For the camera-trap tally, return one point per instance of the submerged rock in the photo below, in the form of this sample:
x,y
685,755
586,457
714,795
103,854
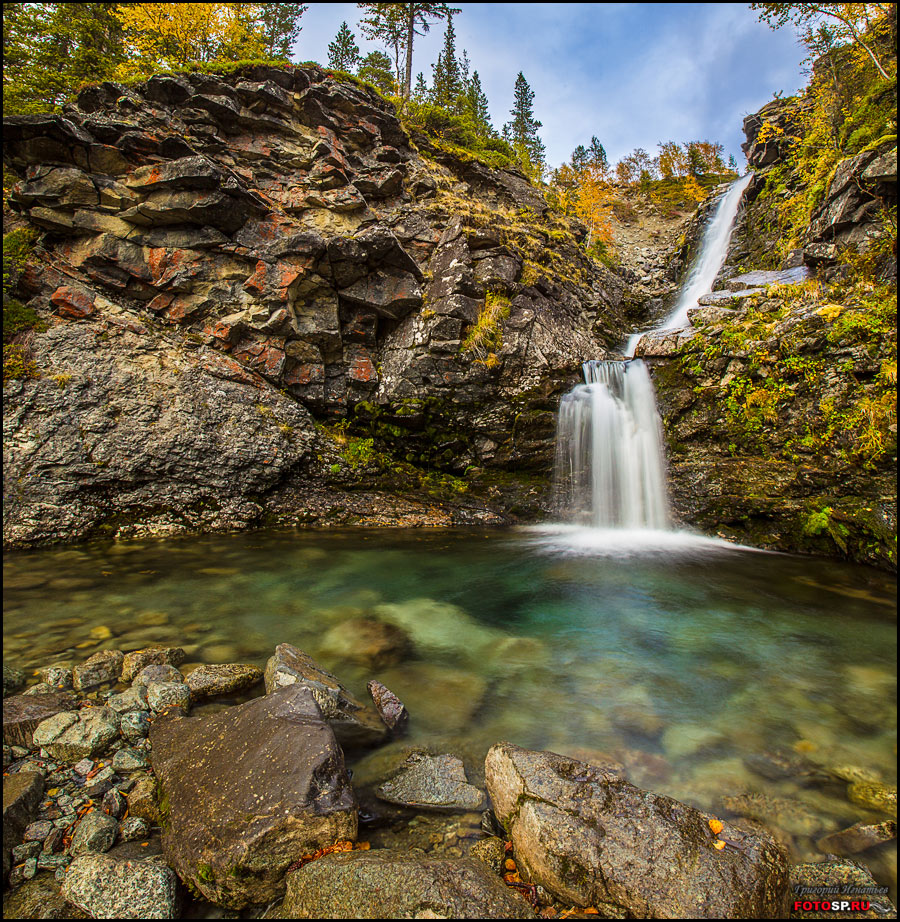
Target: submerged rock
x,y
432,783
874,795
858,838
389,884
248,790
367,641
842,879
13,680
353,723
590,837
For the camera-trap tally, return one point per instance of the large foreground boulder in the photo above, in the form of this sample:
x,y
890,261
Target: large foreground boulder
x,y
246,791
389,884
592,838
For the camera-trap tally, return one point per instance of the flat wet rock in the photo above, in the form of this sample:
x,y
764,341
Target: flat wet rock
x,y
389,884
207,681
590,838
21,795
432,783
246,791
858,838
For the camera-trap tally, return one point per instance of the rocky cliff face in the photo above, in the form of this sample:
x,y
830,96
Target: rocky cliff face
x,y
261,301
779,406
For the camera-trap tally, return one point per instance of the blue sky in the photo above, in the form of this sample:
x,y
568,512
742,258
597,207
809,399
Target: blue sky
x,y
634,74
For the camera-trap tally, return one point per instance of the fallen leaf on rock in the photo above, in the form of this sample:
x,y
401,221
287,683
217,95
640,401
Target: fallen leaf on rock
x,y
716,826
719,844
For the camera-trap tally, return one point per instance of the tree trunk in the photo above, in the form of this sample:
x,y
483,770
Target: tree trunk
x,y
410,36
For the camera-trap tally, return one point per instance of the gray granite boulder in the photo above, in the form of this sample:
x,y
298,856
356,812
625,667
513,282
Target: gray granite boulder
x,y
70,735
432,783
95,832
99,669
210,680
23,713
22,793
135,661
591,838
108,888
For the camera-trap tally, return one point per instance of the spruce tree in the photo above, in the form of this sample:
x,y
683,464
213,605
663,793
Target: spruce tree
x,y
522,129
420,90
343,52
597,155
477,105
446,85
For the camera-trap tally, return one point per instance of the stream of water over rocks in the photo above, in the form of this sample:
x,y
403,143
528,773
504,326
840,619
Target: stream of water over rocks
x,y
721,676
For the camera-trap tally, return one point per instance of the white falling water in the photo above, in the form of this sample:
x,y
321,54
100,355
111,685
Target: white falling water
x,y
713,251
610,468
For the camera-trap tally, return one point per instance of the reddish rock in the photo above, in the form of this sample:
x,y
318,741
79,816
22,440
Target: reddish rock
x,y
362,370
72,302
265,356
304,374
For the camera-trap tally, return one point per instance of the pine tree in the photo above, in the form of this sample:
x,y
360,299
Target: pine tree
x,y
477,106
280,26
522,129
732,164
597,154
446,85
421,91
50,49
579,158
375,68
343,52
398,24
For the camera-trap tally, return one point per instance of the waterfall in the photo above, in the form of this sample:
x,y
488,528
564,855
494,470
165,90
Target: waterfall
x,y
610,468
713,251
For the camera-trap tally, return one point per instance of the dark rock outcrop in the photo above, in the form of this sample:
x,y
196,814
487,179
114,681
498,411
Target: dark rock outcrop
x,y
246,791
225,260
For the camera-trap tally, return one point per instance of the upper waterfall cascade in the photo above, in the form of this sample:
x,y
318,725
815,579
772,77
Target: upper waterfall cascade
x,y
702,277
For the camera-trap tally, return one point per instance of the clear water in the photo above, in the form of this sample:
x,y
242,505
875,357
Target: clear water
x,y
682,658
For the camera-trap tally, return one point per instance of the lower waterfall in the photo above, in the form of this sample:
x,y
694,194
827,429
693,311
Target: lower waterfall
x,y
610,467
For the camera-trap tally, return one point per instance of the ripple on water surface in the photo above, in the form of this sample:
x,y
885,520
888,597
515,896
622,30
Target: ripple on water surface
x,y
744,682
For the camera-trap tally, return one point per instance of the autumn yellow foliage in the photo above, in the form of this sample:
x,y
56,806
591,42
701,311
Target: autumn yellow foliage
x,y
170,35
